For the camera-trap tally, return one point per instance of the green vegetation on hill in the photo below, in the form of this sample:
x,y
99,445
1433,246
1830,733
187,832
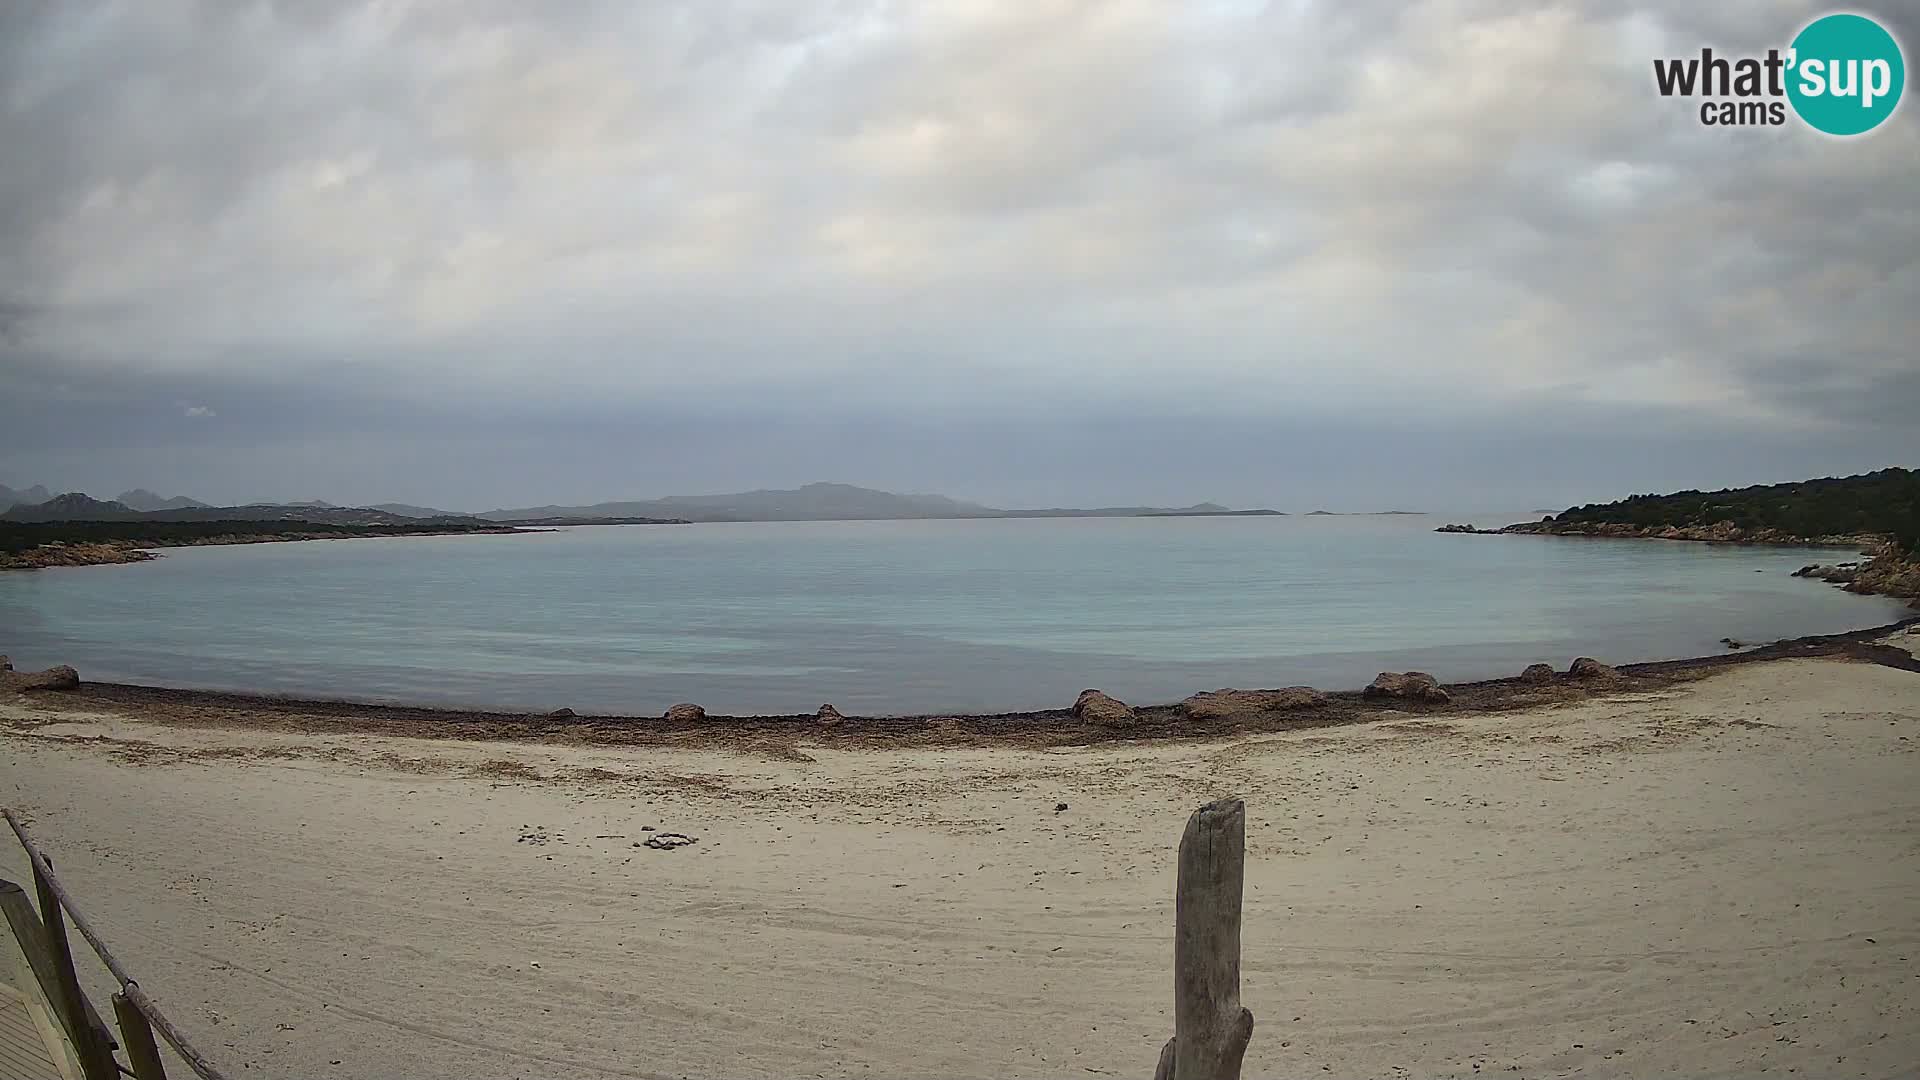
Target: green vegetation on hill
x,y
1884,503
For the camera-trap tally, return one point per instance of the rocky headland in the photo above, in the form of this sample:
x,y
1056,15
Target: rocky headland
x,y
41,546
1877,514
1720,532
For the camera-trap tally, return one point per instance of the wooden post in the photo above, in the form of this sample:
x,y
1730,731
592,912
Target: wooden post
x,y
1210,1029
96,1060
138,1038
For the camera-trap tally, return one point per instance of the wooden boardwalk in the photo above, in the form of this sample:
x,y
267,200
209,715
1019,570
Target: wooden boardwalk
x,y
32,1046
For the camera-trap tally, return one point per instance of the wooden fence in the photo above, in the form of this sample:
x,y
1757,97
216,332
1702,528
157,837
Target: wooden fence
x,y
43,938
1211,1029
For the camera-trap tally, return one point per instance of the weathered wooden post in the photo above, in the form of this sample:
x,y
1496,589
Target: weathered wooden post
x,y
1210,1029
137,1035
96,1057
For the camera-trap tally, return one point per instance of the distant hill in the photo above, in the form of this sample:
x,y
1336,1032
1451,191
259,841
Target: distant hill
x,y
31,496
829,502
1884,503
813,502
143,500
316,512
409,511
73,506
1196,510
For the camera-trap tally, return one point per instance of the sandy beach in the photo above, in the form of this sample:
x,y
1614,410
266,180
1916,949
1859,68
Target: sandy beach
x,y
1716,877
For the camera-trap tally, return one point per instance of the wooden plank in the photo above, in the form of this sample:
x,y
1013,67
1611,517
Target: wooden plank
x,y
72,1002
32,1046
138,1038
88,1038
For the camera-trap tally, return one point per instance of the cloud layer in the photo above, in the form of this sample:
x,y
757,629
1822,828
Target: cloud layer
x,y
1446,217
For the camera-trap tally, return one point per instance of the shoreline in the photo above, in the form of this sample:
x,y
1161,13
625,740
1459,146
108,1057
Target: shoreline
x,y
1724,533
120,552
1714,876
1052,727
1880,571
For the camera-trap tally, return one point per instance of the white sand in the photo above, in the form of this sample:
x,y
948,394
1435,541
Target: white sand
x,y
1629,887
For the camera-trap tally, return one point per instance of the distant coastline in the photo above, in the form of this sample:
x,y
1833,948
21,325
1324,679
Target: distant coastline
x,y
44,545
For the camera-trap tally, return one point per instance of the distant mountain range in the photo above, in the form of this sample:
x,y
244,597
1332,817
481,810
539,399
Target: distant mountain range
x,y
812,502
74,506
143,500
35,494
832,502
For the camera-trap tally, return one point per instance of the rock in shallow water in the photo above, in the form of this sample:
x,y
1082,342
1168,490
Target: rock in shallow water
x,y
686,712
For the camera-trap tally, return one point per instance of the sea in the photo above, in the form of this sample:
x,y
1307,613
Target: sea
x,y
903,616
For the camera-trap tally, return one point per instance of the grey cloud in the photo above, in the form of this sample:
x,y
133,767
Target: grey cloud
x,y
886,217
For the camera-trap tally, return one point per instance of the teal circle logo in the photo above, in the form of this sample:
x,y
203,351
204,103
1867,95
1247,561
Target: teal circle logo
x,y
1846,74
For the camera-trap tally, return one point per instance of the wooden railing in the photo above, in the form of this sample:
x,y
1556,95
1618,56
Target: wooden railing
x,y
43,937
1211,1029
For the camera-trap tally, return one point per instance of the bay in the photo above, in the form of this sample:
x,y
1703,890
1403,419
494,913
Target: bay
x,y
903,616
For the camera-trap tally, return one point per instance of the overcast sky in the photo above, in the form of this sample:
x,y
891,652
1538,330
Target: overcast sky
x,y
1443,255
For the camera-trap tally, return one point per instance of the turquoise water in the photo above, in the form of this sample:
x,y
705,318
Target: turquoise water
x,y
904,616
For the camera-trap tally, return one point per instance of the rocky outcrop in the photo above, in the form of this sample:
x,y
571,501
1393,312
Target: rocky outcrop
x,y
1538,673
1459,529
58,554
1886,574
1407,686
54,678
686,713
1219,704
1101,708
1586,667
1721,532
828,716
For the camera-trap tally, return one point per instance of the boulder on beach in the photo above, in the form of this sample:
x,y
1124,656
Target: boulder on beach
x,y
1407,686
686,712
1216,704
5,664
1538,673
828,715
54,678
1586,667
561,714
1102,708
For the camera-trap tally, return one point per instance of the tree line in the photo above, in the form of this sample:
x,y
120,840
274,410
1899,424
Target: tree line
x,y
1884,503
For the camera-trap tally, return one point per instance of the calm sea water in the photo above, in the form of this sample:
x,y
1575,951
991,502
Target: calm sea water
x,y
902,616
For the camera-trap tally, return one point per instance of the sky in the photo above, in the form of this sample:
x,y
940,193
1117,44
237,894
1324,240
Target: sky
x,y
1356,255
